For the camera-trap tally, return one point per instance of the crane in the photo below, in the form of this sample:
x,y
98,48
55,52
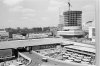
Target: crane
x,y
69,5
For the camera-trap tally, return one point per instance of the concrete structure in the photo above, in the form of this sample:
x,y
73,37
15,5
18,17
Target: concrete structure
x,y
3,34
87,25
18,36
45,44
30,42
71,33
53,31
32,35
72,18
90,29
72,24
92,33
61,24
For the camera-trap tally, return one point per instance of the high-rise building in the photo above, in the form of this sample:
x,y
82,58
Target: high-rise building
x,y
72,18
72,24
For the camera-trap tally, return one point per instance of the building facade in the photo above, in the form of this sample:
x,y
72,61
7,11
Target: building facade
x,y
72,18
4,34
72,24
92,33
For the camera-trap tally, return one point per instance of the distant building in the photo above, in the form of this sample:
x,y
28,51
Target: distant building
x,y
92,33
88,24
53,31
89,27
3,34
60,27
72,24
33,35
18,36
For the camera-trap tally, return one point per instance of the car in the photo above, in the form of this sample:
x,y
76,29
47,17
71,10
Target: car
x,y
20,64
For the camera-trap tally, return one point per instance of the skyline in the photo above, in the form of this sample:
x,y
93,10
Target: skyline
x,y
41,13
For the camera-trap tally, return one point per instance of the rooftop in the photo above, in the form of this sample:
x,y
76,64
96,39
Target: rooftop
x,y
30,42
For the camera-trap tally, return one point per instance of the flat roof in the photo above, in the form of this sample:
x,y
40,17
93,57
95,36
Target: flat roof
x,y
45,41
83,48
79,44
29,42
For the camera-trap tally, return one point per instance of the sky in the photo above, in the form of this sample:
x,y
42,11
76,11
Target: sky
x,y
41,13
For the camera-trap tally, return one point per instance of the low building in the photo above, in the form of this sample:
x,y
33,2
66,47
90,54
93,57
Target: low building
x,y
90,29
92,33
18,36
87,25
32,35
4,34
68,32
53,31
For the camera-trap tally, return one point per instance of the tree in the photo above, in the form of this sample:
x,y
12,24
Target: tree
x,y
46,29
25,31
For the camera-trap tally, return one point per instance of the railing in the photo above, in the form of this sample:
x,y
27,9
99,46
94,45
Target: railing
x,y
26,58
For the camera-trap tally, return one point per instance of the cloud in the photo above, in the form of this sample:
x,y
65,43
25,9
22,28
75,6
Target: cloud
x,y
21,9
28,16
88,13
22,13
88,8
45,18
52,9
11,2
54,5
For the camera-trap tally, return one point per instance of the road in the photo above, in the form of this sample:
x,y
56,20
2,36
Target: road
x,y
36,60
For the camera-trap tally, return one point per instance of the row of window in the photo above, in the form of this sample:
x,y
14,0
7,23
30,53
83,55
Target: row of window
x,y
72,25
43,47
73,15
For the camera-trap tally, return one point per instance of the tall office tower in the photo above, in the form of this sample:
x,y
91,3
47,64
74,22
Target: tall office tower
x,y
72,25
72,18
